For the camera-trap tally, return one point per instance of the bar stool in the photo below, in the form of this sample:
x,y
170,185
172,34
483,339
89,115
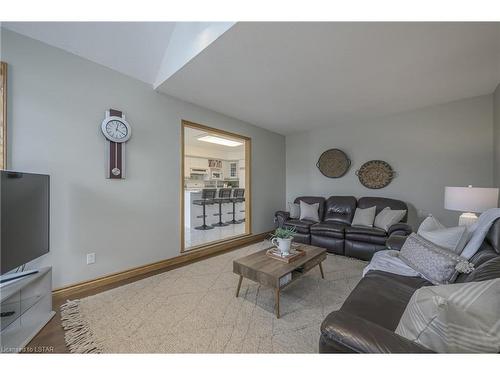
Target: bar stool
x,y
207,198
242,200
224,197
238,196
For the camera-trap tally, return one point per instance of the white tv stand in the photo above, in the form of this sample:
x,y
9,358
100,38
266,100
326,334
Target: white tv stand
x,y
26,307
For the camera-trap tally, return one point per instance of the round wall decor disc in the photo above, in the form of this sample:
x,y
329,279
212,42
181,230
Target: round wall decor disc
x,y
333,163
375,174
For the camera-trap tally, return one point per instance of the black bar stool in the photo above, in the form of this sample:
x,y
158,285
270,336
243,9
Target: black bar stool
x,y
223,197
242,200
207,198
238,195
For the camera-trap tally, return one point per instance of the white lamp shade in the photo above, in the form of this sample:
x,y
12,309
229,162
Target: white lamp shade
x,y
470,199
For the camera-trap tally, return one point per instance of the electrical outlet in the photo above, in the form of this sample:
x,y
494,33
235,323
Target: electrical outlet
x,y
91,258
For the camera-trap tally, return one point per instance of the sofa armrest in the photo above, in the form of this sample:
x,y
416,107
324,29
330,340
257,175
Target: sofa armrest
x,y
395,242
401,229
355,334
280,217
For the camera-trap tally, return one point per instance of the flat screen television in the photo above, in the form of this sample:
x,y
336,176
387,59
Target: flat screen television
x,y
24,205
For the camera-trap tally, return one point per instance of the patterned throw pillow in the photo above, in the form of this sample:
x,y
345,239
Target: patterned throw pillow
x,y
454,238
387,218
456,318
294,210
309,211
434,263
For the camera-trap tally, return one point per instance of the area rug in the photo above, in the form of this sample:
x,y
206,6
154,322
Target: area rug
x,y
193,309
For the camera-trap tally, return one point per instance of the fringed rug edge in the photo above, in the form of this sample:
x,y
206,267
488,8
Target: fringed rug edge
x,y
78,335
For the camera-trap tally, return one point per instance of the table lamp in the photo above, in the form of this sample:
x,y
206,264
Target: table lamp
x,y
469,200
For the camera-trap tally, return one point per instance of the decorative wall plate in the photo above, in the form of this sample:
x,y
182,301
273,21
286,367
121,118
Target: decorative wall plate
x,y
375,174
333,163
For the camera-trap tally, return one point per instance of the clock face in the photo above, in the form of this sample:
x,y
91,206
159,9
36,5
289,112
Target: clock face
x,y
116,129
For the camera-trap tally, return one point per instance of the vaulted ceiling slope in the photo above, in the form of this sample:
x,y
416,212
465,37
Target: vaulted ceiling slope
x,y
148,51
290,77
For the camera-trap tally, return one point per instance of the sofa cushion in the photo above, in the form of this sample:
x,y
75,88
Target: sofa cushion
x,y
381,203
364,234
364,217
459,318
294,210
302,226
312,200
340,209
329,229
434,263
309,211
381,297
486,271
453,238
387,218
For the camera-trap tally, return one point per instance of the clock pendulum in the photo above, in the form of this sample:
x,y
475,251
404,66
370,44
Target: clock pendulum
x,y
117,131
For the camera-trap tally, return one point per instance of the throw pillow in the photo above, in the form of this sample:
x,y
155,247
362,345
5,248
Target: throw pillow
x,y
387,218
456,318
434,263
364,217
294,210
453,238
309,211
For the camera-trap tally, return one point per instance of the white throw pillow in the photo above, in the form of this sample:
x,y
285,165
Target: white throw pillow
x,y
454,238
364,217
309,211
454,318
294,210
387,218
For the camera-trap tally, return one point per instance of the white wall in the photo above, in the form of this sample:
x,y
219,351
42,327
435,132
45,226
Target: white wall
x,y
430,148
56,103
496,136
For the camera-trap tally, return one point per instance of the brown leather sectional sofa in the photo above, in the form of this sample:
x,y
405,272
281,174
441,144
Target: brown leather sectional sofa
x,y
368,318
334,231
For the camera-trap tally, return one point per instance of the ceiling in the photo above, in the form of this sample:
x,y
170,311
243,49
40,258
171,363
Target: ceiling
x,y
290,77
193,146
132,48
148,51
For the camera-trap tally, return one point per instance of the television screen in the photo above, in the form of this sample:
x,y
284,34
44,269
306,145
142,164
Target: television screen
x,y
24,206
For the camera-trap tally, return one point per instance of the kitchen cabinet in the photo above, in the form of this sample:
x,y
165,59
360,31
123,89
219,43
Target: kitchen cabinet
x,y
198,162
241,172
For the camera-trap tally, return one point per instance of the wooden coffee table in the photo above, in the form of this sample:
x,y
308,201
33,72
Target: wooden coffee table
x,y
270,272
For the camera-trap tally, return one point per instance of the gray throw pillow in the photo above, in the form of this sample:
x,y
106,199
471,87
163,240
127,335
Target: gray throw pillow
x,y
387,218
455,318
294,210
364,217
454,238
309,211
434,263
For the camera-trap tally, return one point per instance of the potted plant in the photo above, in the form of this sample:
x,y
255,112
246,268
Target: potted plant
x,y
282,239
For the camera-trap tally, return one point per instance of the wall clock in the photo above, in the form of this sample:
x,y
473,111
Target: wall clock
x,y
117,131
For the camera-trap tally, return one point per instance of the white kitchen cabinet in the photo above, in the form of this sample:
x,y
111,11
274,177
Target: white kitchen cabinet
x,y
198,162
241,173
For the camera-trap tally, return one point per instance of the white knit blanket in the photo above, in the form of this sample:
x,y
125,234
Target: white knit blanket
x,y
389,261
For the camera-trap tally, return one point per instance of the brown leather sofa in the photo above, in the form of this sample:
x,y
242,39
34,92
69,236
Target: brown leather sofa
x,y
369,316
334,231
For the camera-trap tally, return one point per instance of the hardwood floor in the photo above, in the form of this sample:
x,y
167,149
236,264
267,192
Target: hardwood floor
x,y
51,338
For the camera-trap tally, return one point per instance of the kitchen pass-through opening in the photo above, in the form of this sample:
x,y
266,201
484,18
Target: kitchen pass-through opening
x,y
215,198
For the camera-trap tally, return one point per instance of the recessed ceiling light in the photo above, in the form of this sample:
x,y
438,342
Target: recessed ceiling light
x,y
219,140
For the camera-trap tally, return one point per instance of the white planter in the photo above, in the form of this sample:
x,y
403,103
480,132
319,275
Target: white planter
x,y
283,244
